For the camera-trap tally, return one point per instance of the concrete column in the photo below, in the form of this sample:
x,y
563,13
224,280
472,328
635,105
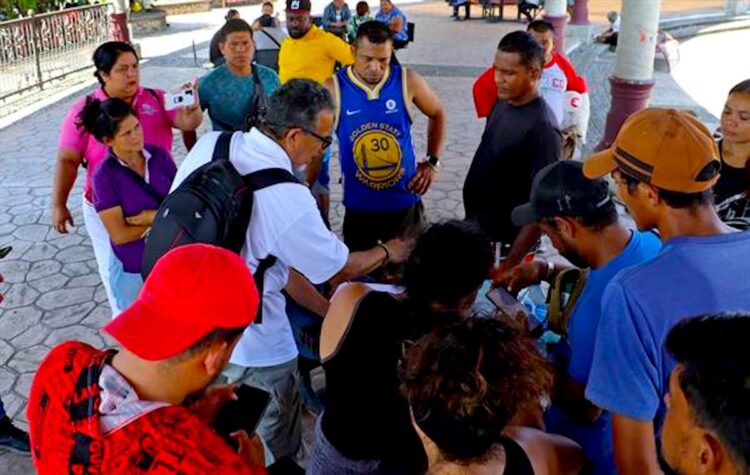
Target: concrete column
x,y
633,78
736,7
556,12
118,21
580,28
580,13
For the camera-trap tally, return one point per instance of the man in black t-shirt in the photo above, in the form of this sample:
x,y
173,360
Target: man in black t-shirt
x,y
520,138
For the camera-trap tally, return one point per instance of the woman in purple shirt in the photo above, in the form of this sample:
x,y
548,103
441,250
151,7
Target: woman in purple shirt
x,y
128,188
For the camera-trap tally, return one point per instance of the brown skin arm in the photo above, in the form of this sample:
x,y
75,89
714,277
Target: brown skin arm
x,y
549,454
359,263
431,106
364,262
120,232
634,446
525,240
66,170
312,171
397,24
303,292
570,396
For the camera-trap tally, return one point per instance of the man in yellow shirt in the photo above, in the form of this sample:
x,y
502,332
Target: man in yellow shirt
x,y
309,52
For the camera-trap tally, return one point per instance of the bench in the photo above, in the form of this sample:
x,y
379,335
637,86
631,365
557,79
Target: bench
x,y
490,6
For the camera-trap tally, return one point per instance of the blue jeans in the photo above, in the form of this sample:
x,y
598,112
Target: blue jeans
x,y
125,285
2,410
306,327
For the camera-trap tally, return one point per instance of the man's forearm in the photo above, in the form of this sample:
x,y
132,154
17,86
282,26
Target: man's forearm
x,y
570,396
312,171
305,294
526,239
634,446
436,134
359,264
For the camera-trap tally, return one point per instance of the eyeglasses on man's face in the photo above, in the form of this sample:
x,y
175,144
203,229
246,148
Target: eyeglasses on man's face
x,y
325,141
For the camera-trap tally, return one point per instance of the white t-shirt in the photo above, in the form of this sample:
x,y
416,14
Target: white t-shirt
x,y
616,25
285,223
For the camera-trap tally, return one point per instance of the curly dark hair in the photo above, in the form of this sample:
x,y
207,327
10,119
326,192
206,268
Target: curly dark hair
x,y
450,261
465,382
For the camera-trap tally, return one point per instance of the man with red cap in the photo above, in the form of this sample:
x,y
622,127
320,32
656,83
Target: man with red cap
x,y
94,411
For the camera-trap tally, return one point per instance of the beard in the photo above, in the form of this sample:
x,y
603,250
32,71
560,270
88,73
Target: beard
x,y
575,258
297,33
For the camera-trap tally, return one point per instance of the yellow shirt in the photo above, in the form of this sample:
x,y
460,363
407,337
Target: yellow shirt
x,y
313,56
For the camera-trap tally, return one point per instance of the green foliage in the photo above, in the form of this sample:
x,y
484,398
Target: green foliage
x,y
11,9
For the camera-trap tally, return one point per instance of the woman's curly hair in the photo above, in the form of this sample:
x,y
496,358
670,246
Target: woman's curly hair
x,y
465,382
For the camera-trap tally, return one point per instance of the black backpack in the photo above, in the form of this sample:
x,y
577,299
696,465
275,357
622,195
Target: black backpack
x,y
213,206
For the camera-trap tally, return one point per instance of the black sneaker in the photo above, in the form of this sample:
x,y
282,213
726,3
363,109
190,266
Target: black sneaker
x,y
13,438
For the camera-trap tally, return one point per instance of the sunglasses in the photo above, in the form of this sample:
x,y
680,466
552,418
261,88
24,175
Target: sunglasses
x,y
326,141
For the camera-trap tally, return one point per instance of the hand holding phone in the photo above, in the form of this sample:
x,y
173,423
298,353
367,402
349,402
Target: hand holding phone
x,y
512,308
242,414
184,98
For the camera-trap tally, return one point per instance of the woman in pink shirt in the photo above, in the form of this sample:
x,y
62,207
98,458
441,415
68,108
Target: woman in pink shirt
x,y
118,73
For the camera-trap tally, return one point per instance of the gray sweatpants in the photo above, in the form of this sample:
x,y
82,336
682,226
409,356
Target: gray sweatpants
x,y
280,428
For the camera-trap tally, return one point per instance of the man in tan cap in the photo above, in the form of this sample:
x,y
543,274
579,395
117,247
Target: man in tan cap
x,y
665,163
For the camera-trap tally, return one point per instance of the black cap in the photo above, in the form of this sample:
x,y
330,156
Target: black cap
x,y
295,6
561,189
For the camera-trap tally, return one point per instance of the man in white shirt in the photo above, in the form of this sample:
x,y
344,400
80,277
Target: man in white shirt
x,y
286,223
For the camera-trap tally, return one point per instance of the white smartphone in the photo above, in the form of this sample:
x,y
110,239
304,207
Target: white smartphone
x,y
185,98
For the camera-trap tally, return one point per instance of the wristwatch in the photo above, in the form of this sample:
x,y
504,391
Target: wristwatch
x,y
433,161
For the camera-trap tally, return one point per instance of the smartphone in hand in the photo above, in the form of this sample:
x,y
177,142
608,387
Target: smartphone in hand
x,y
511,307
243,414
184,98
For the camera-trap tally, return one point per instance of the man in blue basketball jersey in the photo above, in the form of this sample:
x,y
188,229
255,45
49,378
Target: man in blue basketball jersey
x,y
383,179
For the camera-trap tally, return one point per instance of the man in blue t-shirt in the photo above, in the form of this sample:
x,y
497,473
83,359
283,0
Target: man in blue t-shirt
x,y
581,220
228,92
665,163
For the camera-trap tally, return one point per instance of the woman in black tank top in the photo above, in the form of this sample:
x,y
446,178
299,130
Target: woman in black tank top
x,y
465,383
365,427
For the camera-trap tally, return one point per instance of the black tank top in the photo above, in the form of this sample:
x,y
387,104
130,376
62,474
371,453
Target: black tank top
x,y
516,460
365,416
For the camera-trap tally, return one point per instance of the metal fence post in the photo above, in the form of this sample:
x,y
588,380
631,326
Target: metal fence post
x,y
37,47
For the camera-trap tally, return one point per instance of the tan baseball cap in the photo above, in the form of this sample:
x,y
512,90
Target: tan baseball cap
x,y
667,148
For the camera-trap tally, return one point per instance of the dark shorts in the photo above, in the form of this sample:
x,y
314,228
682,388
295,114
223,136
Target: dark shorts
x,y
363,230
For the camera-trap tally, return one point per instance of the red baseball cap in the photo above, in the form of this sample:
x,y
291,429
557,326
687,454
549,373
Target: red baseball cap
x,y
192,290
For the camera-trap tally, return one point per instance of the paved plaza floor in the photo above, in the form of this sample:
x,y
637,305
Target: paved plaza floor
x,y
52,288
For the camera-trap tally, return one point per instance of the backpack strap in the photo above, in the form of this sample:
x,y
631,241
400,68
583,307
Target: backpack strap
x,y
270,37
268,177
221,149
259,278
257,106
570,282
257,181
